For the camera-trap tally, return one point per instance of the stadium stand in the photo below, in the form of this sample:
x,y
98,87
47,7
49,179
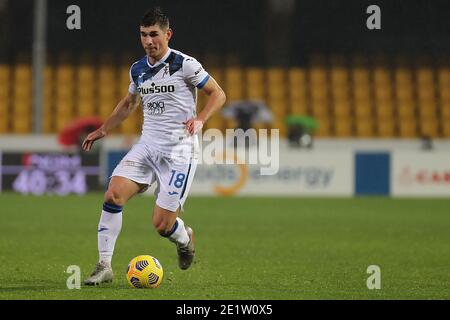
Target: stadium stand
x,y
350,96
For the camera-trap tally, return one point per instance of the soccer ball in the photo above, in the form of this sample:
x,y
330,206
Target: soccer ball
x,y
144,272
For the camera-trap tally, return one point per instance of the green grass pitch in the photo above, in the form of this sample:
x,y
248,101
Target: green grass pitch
x,y
247,248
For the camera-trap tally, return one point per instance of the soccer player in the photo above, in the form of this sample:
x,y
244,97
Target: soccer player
x,y
166,81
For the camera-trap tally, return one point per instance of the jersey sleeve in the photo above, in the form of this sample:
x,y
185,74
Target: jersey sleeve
x,y
194,73
132,88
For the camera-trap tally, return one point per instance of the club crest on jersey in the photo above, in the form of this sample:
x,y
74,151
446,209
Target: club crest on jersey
x,y
166,70
156,89
140,78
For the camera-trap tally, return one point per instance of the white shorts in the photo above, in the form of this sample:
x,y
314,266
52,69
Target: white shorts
x,y
144,165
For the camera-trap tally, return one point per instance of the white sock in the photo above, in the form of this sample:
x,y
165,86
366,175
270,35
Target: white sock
x,y
179,234
108,230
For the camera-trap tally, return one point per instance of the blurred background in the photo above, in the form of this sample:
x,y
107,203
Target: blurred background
x,y
370,106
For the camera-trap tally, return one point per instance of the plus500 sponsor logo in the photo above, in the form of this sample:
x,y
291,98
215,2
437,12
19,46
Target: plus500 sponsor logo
x,y
157,89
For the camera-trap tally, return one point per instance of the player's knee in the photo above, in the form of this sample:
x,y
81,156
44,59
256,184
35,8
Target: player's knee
x,y
114,197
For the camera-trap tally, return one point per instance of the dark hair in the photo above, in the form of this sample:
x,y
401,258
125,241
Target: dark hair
x,y
155,16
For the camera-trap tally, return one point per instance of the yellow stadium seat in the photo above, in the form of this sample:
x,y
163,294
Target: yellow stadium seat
x,y
403,76
276,76
22,74
64,107
298,96
85,108
230,124
254,78
297,77
446,126
86,94
64,75
361,93
278,107
363,109
383,93
445,110
4,91
217,74
324,127
342,109
107,74
298,92
360,76
343,127
339,76
429,127
105,109
276,83
48,125
407,128
5,86
62,122
364,127
20,109
298,107
107,95
340,93
404,93
216,122
381,76
24,92
130,126
5,73
427,109
124,80
48,79
386,128
384,111
21,125
319,93
65,92
318,76
424,77
4,125
234,83
86,75
280,125
444,84
4,113
426,94
444,76
444,94
406,110
276,93
320,109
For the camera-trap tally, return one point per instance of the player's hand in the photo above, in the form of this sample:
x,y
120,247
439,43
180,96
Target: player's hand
x,y
91,137
194,125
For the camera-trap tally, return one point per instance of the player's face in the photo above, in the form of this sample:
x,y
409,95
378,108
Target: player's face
x,y
155,41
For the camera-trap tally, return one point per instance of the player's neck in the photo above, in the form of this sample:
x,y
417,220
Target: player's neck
x,y
155,60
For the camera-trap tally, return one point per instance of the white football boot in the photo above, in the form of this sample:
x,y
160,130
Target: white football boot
x,y
186,254
102,273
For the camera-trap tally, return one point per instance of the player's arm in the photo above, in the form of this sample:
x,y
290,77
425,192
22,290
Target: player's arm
x,y
216,99
123,109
